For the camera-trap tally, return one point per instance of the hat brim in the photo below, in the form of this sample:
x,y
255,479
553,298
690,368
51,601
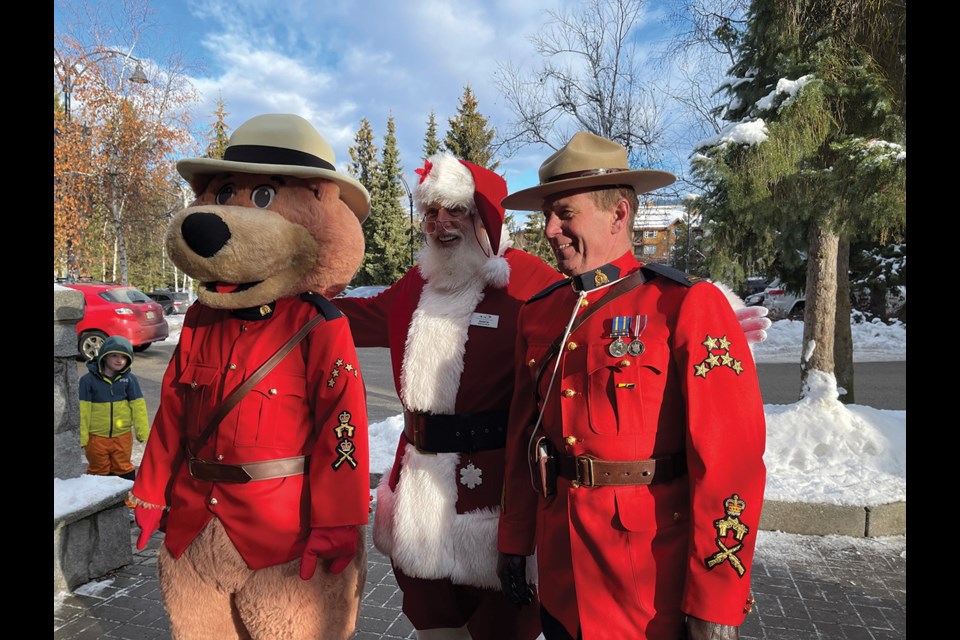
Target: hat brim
x,y
642,181
351,191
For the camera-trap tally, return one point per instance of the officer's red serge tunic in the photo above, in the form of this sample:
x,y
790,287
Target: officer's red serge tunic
x,y
295,410
452,353
628,562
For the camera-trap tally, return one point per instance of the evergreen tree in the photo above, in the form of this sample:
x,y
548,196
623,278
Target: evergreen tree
x,y
431,144
814,155
218,138
468,137
363,167
388,247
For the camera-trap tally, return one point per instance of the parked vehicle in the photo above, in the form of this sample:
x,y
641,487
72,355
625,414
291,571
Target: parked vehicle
x,y
173,302
364,292
782,303
117,310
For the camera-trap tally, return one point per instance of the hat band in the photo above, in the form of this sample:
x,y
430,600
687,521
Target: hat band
x,y
584,174
259,154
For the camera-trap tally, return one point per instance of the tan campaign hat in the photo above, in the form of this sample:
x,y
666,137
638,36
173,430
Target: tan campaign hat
x,y
284,145
586,161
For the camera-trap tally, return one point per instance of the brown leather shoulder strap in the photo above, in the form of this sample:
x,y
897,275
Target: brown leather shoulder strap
x,y
258,375
632,281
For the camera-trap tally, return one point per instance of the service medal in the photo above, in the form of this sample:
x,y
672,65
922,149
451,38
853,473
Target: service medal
x,y
636,347
618,347
621,327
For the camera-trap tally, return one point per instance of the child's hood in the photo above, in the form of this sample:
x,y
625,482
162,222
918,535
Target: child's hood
x,y
113,344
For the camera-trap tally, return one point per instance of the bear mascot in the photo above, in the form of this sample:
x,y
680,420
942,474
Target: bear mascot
x,y
257,467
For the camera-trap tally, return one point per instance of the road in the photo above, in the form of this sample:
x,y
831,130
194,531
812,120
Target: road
x,y
882,385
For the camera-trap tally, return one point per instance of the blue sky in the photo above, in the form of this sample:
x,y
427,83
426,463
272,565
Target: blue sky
x,y
336,62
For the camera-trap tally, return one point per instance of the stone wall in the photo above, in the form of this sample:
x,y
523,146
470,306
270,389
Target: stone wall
x,y
92,536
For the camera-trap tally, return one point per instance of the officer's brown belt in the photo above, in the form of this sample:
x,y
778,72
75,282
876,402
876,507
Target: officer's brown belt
x,y
590,472
456,433
240,473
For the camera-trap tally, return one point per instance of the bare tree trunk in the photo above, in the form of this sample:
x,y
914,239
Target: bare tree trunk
x,y
820,309
843,345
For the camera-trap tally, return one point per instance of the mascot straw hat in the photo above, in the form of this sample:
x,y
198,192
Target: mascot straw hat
x,y
284,145
454,183
586,161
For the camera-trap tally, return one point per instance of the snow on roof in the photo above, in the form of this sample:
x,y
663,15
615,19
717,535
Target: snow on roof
x,y
658,216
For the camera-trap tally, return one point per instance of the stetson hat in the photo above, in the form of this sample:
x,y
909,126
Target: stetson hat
x,y
285,145
587,160
454,183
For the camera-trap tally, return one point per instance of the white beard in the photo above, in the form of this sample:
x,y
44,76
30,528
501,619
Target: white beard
x,y
451,268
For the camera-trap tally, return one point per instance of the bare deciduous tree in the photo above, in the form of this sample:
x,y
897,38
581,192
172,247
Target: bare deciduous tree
x,y
591,79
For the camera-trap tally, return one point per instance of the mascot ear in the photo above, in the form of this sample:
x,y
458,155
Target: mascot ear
x,y
199,182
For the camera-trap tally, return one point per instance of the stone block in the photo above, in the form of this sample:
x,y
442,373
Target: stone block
x,y
813,519
91,542
887,520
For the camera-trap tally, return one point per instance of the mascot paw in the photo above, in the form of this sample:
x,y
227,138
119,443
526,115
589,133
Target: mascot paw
x,y
337,544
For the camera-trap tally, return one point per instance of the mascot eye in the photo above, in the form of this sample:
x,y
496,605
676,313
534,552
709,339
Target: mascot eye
x,y
263,196
226,192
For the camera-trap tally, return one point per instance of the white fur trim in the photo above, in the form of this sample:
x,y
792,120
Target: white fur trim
x,y
449,184
429,538
735,301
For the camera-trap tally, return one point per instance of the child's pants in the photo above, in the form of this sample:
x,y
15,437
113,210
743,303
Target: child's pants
x,y
110,456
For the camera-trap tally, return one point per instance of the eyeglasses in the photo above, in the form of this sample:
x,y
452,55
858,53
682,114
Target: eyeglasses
x,y
431,226
430,222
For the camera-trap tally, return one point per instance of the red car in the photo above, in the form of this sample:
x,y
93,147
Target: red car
x,y
117,310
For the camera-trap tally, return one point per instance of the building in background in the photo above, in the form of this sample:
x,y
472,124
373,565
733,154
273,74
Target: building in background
x,y
660,229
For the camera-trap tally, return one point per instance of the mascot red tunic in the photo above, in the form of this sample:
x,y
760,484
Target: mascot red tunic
x,y
263,502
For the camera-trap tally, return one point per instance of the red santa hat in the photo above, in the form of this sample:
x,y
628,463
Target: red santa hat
x,y
454,183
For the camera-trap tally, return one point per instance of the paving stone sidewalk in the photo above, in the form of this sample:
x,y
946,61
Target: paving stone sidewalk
x,y
806,588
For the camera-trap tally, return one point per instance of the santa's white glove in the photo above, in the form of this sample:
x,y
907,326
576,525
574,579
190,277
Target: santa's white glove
x,y
754,322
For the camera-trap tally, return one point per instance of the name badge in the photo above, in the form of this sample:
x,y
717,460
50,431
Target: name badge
x,y
485,320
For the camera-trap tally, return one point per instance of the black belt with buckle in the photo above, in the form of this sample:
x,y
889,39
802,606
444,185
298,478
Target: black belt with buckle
x,y
586,471
456,433
241,473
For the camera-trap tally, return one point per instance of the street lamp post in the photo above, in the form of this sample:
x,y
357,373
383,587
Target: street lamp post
x,y
68,72
410,196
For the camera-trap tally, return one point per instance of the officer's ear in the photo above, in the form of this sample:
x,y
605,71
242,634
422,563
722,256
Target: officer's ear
x,y
621,217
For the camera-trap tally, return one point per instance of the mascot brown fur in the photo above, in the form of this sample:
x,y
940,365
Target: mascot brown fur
x,y
282,480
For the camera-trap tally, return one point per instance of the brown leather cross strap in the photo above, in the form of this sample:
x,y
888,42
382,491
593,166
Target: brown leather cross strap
x,y
621,287
587,471
258,375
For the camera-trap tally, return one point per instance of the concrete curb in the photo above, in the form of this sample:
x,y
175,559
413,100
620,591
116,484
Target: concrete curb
x,y
807,518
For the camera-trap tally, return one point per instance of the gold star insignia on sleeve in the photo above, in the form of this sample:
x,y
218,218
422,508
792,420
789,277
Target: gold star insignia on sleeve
x,y
339,362
714,360
348,367
335,373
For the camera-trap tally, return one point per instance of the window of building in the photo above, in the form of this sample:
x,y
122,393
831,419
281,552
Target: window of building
x,y
650,233
649,249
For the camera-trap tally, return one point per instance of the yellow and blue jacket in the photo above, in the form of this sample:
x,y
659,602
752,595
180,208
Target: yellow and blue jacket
x,y
111,407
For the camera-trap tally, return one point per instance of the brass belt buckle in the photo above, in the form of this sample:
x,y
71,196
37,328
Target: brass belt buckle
x,y
585,471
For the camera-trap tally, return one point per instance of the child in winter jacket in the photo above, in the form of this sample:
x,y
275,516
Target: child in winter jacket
x,y
111,404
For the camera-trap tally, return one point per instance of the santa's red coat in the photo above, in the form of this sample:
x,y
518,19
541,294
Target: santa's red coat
x,y
452,353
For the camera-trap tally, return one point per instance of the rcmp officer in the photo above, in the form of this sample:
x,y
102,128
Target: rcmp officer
x,y
638,421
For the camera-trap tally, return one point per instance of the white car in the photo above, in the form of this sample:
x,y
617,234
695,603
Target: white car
x,y
782,303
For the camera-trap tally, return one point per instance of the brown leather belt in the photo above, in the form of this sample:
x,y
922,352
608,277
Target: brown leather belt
x,y
586,471
456,433
241,473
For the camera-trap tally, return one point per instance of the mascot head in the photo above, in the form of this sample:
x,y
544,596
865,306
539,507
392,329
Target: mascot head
x,y
273,218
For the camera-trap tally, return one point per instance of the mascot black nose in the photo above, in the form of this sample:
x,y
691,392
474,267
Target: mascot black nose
x,y
205,233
